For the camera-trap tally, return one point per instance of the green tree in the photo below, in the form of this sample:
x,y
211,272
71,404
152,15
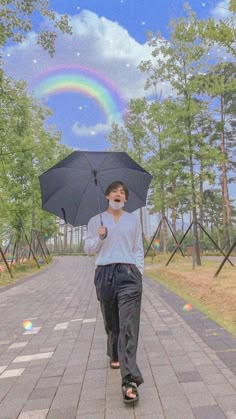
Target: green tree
x,y
221,33
232,6
165,163
212,211
16,21
177,62
118,137
133,137
135,124
38,147
219,84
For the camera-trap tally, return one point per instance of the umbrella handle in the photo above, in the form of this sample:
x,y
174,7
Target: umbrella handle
x,y
64,215
105,234
106,230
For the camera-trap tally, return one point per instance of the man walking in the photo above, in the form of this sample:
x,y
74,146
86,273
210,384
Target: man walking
x,y
118,280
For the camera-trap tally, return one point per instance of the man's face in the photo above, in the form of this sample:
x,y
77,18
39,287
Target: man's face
x,y
117,195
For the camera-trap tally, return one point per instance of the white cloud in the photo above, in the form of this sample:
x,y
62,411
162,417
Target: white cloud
x,y
89,131
97,43
221,10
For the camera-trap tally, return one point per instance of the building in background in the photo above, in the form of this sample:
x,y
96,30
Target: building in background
x,y
150,222
68,237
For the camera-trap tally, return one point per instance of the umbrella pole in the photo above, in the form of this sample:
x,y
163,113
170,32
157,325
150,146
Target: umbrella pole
x,y
99,206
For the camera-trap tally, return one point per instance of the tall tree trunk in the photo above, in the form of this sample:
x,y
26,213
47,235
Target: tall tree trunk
x,y
182,223
173,219
196,249
218,237
55,244
194,210
227,221
201,201
81,238
33,218
164,232
65,237
140,211
60,243
71,238
173,210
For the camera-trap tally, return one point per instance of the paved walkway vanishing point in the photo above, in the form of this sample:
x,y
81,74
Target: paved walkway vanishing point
x,y
59,369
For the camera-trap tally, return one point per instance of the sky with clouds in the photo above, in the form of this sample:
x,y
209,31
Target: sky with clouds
x,y
97,65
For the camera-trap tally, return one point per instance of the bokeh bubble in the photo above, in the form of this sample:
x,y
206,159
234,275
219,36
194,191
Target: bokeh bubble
x,y
157,244
27,324
187,307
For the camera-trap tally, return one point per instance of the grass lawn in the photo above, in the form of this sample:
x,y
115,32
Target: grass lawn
x,y
20,271
216,297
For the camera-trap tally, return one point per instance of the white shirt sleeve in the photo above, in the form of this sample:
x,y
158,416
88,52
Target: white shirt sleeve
x,y
138,248
92,241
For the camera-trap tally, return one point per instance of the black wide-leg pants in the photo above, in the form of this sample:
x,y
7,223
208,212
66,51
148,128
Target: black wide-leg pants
x,y
119,290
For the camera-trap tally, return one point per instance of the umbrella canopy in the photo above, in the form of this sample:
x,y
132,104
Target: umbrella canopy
x,y
74,188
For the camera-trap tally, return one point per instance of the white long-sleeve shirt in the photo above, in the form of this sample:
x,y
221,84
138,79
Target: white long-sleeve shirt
x,y
123,243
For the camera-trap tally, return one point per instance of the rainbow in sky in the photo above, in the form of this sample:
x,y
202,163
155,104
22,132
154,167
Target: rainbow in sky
x,y
83,80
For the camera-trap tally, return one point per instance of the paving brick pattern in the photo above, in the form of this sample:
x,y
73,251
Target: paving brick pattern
x,y
59,368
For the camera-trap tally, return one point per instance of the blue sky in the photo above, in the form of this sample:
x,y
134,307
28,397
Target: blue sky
x,y
108,43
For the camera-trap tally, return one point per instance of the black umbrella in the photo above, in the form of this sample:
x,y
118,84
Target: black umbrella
x,y
74,188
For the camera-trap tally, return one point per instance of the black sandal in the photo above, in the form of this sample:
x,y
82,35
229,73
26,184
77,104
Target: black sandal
x,y
126,387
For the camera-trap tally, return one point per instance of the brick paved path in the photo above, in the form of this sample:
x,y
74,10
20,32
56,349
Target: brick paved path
x,y
59,369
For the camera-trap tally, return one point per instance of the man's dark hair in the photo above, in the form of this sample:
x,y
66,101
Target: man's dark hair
x,y
115,185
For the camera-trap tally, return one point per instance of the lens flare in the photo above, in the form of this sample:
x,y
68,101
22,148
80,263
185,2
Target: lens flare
x,y
187,307
27,325
157,244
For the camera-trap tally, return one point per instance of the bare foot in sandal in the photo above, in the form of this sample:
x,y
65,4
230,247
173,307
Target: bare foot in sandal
x,y
130,393
115,365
